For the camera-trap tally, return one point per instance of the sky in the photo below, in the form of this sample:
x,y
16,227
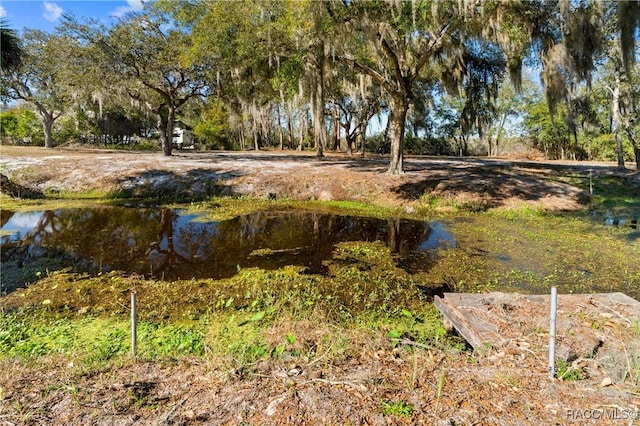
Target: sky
x,y
45,14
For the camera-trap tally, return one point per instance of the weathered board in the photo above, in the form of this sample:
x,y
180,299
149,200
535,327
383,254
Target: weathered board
x,y
495,321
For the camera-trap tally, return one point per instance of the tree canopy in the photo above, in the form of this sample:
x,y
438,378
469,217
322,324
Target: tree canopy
x,y
315,75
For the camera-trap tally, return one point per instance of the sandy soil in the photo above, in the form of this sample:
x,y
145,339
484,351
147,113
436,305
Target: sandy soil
x,y
508,387
487,182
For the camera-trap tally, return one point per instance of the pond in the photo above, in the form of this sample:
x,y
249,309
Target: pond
x,y
174,244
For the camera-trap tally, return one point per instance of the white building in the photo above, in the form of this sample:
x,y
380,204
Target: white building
x,y
182,137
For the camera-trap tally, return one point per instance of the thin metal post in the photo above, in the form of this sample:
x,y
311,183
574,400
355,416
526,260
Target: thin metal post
x,y
552,333
590,182
134,324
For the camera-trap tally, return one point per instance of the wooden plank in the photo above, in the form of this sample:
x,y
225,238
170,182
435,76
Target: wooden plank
x,y
493,320
459,322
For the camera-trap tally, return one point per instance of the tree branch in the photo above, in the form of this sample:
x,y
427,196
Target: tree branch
x,y
369,71
392,55
428,52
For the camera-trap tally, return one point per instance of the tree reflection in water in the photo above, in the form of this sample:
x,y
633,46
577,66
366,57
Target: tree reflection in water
x,y
171,244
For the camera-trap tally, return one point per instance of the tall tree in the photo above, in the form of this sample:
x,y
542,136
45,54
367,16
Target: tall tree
x,y
245,40
45,77
481,82
402,44
310,35
622,54
569,37
146,53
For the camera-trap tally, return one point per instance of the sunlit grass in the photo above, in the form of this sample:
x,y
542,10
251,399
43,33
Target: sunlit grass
x,y
616,193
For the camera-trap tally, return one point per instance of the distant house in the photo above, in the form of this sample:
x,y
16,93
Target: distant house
x,y
182,137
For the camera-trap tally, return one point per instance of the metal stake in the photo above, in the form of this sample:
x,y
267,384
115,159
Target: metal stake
x,y
134,324
552,333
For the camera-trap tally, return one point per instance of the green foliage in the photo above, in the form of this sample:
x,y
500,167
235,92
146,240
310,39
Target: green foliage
x,y
258,65
566,371
99,339
398,408
21,126
378,144
8,124
427,146
615,193
603,147
212,130
66,130
11,50
526,211
159,340
287,76
548,134
46,77
96,339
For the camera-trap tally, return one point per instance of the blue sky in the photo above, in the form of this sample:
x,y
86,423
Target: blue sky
x,y
45,15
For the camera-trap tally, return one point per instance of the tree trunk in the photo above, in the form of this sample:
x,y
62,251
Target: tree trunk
x,y
636,148
167,131
287,114
399,108
302,128
255,129
164,125
616,121
280,130
48,131
47,123
362,135
256,140
351,137
241,136
349,141
335,130
393,226
317,100
363,138
290,137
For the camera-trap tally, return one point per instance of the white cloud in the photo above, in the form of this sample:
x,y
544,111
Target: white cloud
x,y
52,11
3,12
132,6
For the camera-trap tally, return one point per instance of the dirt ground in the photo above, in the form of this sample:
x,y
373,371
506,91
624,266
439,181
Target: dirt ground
x,y
300,175
381,385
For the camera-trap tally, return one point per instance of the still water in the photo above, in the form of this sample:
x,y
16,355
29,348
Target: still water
x,y
174,244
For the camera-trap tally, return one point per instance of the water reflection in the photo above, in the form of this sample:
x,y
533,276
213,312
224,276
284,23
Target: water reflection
x,y
171,244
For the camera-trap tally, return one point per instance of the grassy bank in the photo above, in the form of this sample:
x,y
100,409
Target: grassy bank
x,y
235,324
255,315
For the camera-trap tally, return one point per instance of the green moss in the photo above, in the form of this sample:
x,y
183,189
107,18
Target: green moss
x,y
223,208
52,203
